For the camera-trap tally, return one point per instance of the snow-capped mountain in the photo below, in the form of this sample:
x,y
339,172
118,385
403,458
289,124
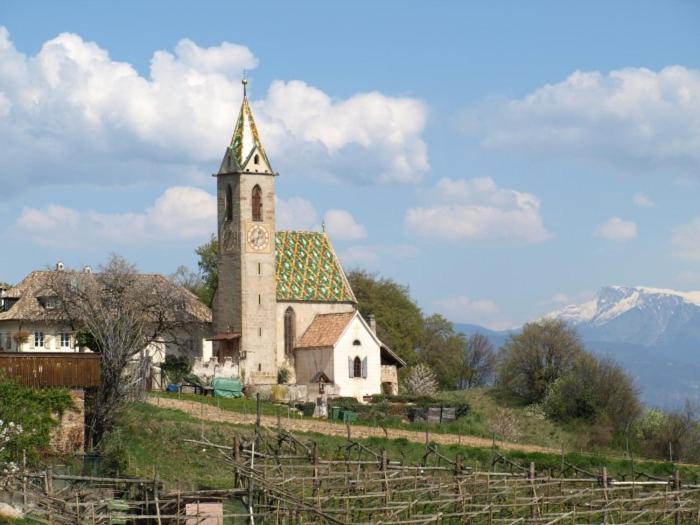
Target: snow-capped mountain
x,y
639,315
653,333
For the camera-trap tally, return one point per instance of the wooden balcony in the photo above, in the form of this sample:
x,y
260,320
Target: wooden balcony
x,y
47,369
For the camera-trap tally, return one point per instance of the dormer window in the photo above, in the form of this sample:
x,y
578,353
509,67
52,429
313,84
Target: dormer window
x,y
49,303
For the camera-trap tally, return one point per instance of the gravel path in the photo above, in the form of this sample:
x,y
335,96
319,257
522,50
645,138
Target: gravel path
x,y
211,413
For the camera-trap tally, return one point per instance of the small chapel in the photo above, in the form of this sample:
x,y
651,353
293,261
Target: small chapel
x,y
283,299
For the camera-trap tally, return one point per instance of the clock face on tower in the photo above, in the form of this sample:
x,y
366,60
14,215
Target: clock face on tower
x,y
258,237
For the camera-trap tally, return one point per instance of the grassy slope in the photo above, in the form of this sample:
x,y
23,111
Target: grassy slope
x,y
486,418
153,439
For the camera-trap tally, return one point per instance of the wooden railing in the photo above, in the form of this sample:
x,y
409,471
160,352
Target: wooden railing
x,y
46,369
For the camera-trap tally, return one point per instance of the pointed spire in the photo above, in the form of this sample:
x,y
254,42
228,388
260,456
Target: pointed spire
x,y
245,143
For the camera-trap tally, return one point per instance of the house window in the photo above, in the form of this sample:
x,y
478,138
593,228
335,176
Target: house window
x,y
357,367
257,203
5,342
229,203
289,325
65,340
38,339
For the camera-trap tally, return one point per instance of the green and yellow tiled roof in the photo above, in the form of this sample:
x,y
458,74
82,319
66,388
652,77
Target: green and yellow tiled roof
x,y
308,269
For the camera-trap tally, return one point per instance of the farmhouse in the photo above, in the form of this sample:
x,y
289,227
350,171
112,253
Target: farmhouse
x,y
32,320
283,300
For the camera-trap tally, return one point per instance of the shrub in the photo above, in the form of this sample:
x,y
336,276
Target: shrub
x,y
32,410
283,376
176,368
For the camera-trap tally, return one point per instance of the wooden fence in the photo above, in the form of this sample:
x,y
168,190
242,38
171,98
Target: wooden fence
x,y
46,369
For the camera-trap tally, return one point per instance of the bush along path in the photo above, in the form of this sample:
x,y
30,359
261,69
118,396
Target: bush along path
x,y
321,426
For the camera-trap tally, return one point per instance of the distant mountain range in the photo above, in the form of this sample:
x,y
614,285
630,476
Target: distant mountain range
x,y
654,333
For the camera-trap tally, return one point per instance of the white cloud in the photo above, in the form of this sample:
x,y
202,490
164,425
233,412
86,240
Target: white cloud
x,y
642,201
616,229
477,209
91,118
462,309
686,240
341,225
296,213
634,118
180,213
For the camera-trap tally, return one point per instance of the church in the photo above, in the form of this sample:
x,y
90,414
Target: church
x,y
283,300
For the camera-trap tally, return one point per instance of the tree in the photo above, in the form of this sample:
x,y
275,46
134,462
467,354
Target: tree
x,y
124,313
594,389
208,270
399,319
193,282
531,361
421,381
442,349
477,362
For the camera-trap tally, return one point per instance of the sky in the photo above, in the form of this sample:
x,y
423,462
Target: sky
x,y
501,159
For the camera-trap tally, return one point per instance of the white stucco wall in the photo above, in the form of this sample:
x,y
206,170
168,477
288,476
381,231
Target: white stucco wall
x,y
344,349
52,337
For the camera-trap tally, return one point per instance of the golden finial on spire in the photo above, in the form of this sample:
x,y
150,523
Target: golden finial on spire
x,y
245,83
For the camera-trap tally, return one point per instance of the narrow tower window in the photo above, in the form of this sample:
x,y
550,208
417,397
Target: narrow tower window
x,y
256,159
229,203
289,325
257,203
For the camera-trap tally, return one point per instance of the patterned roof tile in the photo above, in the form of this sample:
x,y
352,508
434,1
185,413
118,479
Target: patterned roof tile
x,y
308,269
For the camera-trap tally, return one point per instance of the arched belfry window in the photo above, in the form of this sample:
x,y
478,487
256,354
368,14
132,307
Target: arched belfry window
x,y
257,203
229,203
289,325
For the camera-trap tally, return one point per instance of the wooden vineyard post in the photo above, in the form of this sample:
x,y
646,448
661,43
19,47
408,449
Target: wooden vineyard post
x,y
178,504
156,482
236,459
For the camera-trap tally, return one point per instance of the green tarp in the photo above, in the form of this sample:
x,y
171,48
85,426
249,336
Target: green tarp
x,y
227,387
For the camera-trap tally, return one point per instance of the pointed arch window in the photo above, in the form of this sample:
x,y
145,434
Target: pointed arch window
x,y
257,203
229,203
289,329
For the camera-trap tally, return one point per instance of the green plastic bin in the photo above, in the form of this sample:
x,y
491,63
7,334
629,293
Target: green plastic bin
x,y
349,416
334,413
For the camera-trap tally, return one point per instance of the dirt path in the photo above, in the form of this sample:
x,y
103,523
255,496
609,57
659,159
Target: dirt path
x,y
211,413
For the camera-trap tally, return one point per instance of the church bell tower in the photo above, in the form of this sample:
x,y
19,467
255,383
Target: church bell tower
x,y
245,303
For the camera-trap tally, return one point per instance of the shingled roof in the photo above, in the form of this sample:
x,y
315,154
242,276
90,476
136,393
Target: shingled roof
x,y
26,297
308,269
325,330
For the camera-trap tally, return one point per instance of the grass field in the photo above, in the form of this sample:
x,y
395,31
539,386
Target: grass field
x,y
150,439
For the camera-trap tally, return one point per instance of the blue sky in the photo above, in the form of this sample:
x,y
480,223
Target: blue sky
x,y
500,158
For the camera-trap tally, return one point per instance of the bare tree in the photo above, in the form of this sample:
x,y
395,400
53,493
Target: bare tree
x,y
123,312
477,362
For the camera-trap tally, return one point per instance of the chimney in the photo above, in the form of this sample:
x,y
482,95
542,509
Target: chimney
x,y
373,324
59,266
